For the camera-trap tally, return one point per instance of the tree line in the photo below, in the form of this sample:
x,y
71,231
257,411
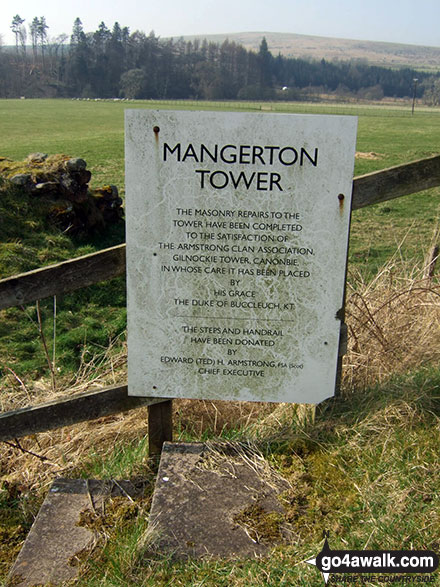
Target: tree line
x,y
114,63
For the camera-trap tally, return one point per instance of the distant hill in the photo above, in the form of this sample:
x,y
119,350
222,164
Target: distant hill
x,y
375,53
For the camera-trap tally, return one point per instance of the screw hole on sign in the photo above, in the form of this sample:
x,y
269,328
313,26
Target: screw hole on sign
x,y
154,387
341,197
156,129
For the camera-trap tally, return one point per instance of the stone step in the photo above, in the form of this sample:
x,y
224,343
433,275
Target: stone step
x,y
50,551
216,501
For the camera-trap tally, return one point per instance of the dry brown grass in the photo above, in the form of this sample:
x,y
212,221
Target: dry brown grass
x,y
394,326
61,452
371,155
34,461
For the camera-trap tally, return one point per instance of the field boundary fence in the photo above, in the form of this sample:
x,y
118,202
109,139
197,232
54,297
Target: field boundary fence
x,y
77,273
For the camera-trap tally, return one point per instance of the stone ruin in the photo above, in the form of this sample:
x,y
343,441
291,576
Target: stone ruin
x,y
61,185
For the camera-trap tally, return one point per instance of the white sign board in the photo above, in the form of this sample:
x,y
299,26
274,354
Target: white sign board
x,y
237,232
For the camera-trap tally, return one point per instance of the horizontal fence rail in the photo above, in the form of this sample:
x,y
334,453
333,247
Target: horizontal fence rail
x,y
74,274
62,278
71,410
395,182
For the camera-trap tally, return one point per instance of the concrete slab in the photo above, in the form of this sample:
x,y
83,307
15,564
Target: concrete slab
x,y
216,501
56,536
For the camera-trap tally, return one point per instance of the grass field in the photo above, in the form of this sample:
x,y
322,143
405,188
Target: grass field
x,y
94,130
386,136
365,467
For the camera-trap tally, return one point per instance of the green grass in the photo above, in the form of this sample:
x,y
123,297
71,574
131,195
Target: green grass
x,y
86,321
95,131
367,470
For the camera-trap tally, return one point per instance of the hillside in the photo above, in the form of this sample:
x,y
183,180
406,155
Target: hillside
x,y
377,53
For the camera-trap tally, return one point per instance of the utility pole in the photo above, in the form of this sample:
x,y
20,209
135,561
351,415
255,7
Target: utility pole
x,y
415,80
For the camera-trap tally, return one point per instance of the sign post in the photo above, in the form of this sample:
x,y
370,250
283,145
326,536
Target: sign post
x,y
237,235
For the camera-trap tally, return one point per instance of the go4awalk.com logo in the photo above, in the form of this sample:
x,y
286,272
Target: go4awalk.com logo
x,y
402,564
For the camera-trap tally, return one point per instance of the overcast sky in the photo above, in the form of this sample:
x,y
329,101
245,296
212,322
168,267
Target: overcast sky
x,y
402,21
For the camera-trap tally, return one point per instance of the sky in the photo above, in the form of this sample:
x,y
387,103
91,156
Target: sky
x,y
398,21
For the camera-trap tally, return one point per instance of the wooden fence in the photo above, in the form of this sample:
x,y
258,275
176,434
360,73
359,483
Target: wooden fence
x,y
77,273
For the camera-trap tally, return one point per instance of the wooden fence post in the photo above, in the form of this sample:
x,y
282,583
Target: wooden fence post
x,y
160,426
430,266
